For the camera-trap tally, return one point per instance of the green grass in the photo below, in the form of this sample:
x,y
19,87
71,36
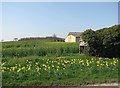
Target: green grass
x,y
38,48
53,63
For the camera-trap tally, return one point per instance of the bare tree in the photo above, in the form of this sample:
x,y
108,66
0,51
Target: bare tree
x,y
54,35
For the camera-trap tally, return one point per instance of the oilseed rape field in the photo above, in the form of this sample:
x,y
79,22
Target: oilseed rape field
x,y
53,63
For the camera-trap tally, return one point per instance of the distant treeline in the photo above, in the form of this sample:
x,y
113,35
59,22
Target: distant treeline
x,y
44,38
104,42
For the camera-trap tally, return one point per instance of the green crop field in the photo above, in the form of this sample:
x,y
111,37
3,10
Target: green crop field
x,y
36,62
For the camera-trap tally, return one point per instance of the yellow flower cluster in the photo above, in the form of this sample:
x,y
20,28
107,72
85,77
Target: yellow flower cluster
x,y
60,64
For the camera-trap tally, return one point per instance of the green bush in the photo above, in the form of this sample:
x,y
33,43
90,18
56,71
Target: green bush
x,y
104,42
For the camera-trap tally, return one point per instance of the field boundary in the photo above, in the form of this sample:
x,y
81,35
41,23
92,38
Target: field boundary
x,y
103,85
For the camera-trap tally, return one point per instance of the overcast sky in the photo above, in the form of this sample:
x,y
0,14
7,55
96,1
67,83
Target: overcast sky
x,y
40,19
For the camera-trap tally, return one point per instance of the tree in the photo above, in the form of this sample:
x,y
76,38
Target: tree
x,y
2,40
104,42
90,37
15,39
54,36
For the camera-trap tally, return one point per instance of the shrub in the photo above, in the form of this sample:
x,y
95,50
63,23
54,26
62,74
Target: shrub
x,y
104,42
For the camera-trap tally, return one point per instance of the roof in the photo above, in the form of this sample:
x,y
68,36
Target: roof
x,y
76,34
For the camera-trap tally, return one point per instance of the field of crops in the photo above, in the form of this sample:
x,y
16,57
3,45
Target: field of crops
x,y
38,48
53,63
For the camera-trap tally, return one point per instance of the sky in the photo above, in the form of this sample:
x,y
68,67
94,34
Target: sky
x,y
41,19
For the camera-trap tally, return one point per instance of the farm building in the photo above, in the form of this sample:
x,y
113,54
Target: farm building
x,y
73,37
76,37
55,39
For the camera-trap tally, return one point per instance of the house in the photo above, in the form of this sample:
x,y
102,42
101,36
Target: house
x,y
76,37
73,37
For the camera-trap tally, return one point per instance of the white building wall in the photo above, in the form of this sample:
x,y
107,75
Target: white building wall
x,y
70,38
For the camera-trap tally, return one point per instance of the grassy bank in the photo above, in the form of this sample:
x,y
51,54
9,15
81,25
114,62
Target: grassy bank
x,y
38,48
60,65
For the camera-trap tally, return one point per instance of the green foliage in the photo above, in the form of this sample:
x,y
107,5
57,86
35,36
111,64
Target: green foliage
x,y
74,69
104,42
26,48
53,63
